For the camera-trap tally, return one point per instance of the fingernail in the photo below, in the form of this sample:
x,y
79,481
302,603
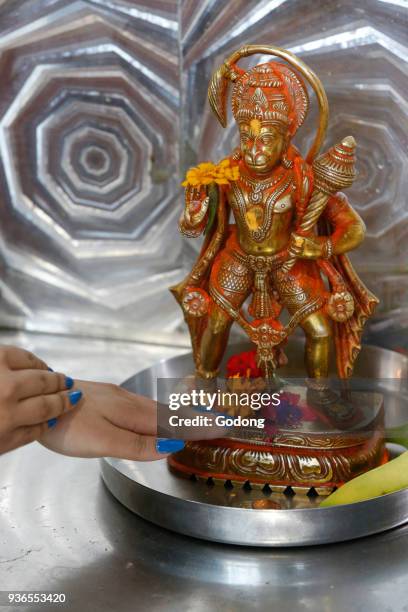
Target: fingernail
x,y
201,409
69,383
74,397
50,369
164,445
52,423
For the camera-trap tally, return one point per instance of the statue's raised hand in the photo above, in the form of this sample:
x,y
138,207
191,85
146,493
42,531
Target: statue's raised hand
x,y
196,205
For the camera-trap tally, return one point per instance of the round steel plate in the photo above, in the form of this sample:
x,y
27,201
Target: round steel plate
x,y
251,518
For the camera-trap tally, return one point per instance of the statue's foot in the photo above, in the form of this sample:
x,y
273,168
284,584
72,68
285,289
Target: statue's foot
x,y
337,409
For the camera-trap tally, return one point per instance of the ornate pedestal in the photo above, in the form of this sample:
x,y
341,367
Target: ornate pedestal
x,y
321,452
249,517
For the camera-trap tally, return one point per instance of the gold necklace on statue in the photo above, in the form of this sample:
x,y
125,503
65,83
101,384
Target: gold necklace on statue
x,y
258,186
257,219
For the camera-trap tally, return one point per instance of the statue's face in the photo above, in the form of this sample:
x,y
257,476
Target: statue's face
x,y
262,146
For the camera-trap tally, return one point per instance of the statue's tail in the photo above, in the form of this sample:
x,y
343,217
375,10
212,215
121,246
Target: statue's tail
x,y
347,335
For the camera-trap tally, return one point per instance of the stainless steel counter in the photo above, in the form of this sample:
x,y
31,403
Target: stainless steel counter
x,y
60,530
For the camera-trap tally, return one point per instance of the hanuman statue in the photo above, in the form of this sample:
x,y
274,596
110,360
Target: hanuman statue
x,y
293,228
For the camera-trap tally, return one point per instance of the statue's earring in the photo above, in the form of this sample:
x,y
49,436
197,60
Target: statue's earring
x,y
286,162
236,154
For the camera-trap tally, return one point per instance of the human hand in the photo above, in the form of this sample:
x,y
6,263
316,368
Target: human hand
x,y
31,397
110,422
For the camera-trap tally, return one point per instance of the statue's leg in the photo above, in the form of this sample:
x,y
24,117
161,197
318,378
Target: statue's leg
x,y
318,336
337,407
214,342
299,291
230,283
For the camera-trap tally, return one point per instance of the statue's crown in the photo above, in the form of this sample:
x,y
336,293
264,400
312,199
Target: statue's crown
x,y
272,93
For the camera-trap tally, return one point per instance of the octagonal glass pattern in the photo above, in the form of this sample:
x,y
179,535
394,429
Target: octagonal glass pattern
x,y
103,107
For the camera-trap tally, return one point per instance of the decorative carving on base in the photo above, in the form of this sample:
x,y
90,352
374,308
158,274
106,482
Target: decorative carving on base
x,y
276,466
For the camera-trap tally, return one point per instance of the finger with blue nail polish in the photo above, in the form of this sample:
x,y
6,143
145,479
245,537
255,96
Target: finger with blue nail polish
x,y
32,383
47,408
34,395
169,445
203,409
74,397
109,421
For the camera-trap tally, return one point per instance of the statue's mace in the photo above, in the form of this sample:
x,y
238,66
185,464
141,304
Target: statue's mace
x,y
332,171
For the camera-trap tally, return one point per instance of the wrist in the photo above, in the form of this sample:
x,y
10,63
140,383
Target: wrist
x,y
327,248
312,248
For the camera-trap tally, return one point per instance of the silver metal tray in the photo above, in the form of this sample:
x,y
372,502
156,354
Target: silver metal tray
x,y
251,517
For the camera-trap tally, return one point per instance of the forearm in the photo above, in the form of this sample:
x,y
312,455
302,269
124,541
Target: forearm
x,y
347,233
349,229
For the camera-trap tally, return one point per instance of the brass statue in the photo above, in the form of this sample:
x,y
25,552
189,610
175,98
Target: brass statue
x,y
293,227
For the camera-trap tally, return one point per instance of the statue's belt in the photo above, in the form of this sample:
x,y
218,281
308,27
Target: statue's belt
x,y
262,263
262,305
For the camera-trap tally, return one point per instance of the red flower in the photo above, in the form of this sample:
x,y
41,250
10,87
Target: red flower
x,y
243,364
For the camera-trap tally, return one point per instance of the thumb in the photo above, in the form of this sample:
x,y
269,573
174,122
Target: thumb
x,y
138,447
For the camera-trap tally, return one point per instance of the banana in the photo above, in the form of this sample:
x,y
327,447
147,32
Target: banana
x,y
387,478
398,435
